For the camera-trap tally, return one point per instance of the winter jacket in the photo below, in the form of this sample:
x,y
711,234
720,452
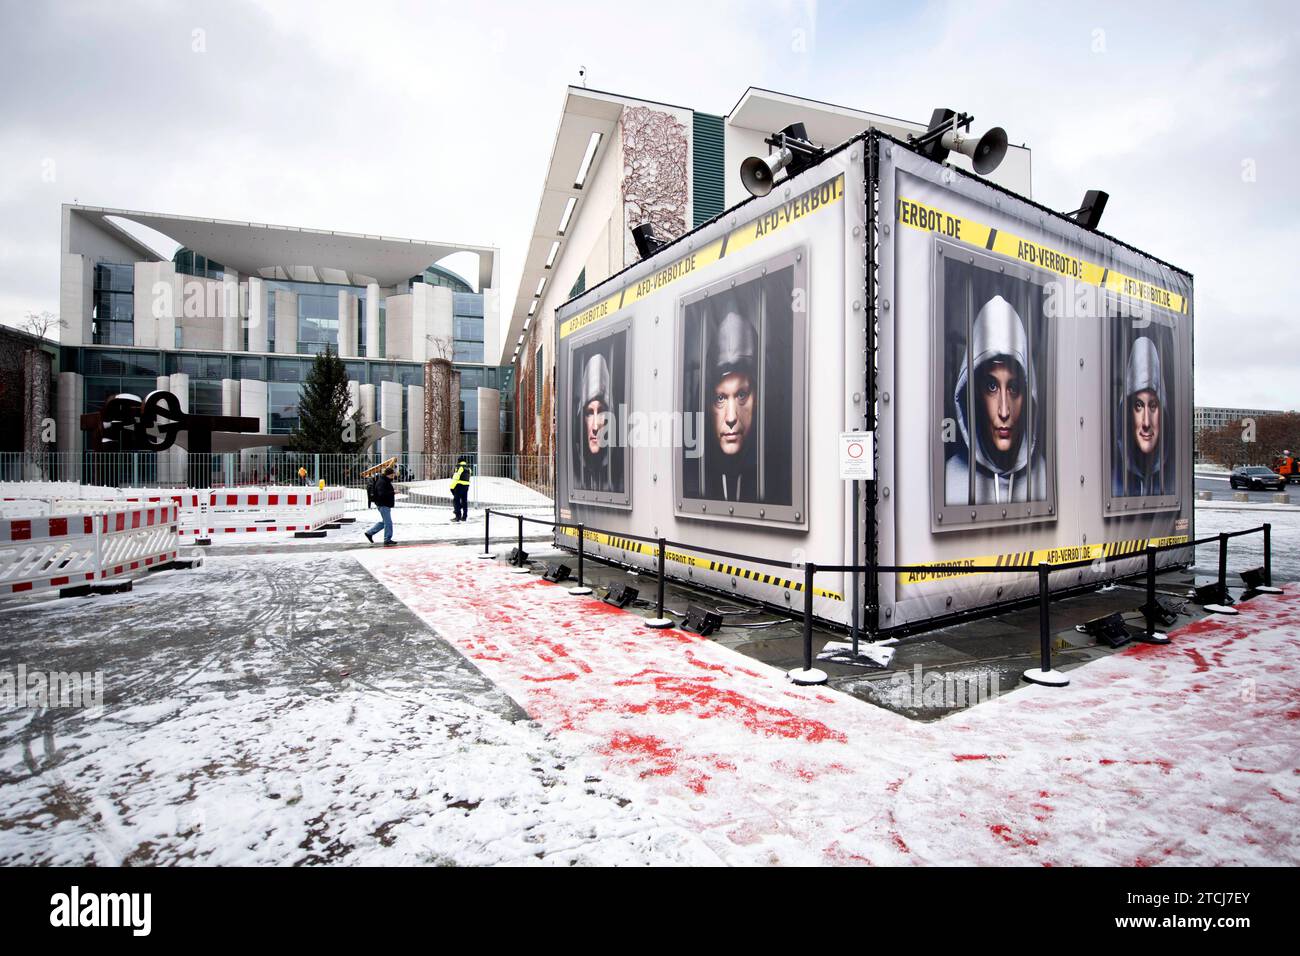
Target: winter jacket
x,y
461,477
383,492
998,333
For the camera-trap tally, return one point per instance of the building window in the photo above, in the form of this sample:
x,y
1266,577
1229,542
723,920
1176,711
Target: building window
x,y
113,304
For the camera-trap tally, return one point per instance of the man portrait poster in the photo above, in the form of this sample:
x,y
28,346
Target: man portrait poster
x,y
598,377
739,382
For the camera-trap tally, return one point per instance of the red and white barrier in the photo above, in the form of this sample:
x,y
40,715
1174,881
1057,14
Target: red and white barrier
x,y
201,512
67,550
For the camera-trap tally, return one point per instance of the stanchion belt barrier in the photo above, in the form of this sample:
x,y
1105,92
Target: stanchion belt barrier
x,y
65,550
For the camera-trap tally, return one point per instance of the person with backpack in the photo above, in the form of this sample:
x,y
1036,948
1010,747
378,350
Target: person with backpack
x,y
383,497
460,490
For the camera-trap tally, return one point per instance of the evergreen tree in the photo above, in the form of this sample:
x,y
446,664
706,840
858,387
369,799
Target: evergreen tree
x,y
324,425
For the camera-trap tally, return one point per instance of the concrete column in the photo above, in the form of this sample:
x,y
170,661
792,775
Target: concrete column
x,y
354,395
492,328
76,298
372,321
68,437
258,334
253,395
230,396
347,342
415,424
489,422
390,416
421,319
286,323
232,330
440,330
368,404
178,384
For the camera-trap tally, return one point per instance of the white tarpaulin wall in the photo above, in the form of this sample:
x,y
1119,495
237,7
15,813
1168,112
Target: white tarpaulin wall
x,y
1054,358
1032,386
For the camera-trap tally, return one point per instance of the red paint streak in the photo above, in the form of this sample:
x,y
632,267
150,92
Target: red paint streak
x,y
1202,665
543,680
1005,832
1273,791
1248,770
680,694
960,757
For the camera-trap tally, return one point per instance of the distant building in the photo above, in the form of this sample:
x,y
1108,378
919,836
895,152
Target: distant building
x,y
1209,417
231,320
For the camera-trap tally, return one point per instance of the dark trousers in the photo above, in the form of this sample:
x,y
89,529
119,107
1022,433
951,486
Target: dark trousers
x,y
460,502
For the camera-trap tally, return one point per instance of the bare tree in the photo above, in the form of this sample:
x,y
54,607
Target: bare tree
x,y
40,324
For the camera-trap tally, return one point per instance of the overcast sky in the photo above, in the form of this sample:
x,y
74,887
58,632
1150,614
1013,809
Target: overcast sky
x,y
435,121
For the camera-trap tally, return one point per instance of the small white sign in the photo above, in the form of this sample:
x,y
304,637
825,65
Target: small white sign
x,y
857,454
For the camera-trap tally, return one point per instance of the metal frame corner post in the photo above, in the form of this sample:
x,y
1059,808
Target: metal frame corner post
x,y
580,531
1268,554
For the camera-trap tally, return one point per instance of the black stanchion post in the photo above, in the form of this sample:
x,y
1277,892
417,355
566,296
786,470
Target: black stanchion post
x,y
1044,674
659,606
1223,568
1268,554
580,536
1045,617
1151,591
659,621
809,570
487,533
520,536
853,589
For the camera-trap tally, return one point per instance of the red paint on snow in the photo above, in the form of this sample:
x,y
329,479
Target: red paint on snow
x,y
718,743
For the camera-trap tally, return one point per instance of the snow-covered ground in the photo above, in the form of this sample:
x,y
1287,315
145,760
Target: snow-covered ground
x,y
1247,551
286,709
485,491
307,706
1183,754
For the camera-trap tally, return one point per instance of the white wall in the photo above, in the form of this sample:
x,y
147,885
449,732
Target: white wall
x,y
390,416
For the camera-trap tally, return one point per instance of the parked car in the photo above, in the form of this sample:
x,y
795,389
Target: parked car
x,y
1256,477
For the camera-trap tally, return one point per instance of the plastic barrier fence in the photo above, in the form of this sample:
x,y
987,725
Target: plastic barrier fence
x,y
66,550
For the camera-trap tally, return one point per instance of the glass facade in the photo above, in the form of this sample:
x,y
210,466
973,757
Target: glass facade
x,y
136,371
113,306
190,263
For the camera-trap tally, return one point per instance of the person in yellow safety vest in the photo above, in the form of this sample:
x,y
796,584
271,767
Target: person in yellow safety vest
x,y
460,490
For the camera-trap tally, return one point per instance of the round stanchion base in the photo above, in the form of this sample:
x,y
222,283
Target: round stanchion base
x,y
1266,589
1219,609
806,678
485,556
658,622
579,592
1158,637
1053,678
521,570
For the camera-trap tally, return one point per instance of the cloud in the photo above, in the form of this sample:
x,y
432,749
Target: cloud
x,y
435,121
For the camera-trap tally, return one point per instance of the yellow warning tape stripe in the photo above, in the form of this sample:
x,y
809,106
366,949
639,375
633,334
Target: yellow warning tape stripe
x,y
925,218
1030,559
706,564
787,214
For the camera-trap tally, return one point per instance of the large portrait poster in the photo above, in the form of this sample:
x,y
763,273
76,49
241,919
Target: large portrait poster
x,y
994,445
742,379
1143,398
599,379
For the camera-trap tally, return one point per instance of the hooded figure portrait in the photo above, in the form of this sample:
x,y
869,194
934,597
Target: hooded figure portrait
x,y
1009,466
1141,458
593,425
731,411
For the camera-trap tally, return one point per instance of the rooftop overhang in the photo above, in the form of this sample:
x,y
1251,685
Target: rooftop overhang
x,y
585,112
767,111
289,252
